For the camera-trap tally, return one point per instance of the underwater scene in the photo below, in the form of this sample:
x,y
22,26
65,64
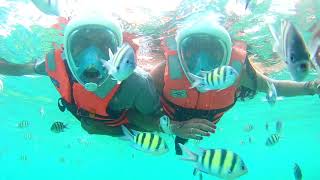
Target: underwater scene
x,y
171,89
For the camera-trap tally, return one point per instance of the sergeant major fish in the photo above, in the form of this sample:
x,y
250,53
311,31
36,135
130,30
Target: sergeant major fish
x,y
273,139
218,79
121,64
291,47
146,142
23,124
58,127
217,162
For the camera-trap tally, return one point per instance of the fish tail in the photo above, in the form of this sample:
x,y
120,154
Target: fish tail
x,y
197,80
190,155
127,134
275,36
247,4
313,57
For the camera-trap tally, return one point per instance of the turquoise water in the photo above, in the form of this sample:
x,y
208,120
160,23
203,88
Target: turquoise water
x,y
35,152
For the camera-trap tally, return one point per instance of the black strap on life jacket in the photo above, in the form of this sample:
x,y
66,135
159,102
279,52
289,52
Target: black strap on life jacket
x,y
183,114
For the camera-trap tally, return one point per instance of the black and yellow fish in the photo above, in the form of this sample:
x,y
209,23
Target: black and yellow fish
x,y
218,162
146,141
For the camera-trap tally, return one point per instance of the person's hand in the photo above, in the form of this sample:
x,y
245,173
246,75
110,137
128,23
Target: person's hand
x,y
313,86
193,128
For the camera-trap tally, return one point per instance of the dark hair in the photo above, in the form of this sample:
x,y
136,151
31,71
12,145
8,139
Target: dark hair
x,y
244,93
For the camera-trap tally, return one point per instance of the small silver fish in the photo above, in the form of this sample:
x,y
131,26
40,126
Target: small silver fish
x,y
217,162
58,127
279,126
248,128
297,172
272,94
49,7
218,79
146,142
272,140
121,64
42,112
291,46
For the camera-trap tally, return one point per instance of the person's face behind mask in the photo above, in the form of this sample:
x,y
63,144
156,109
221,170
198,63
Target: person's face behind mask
x,y
89,48
201,53
90,63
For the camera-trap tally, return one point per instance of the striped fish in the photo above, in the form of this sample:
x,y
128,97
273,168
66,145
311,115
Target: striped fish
x,y
146,142
297,172
273,139
217,162
23,124
218,79
121,64
58,127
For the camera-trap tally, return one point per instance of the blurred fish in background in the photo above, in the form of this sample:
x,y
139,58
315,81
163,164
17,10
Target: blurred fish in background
x,y
292,48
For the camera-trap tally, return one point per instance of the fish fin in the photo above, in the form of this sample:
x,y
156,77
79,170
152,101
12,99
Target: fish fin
x,y
134,132
196,79
280,98
108,65
247,4
276,46
313,50
203,73
196,172
190,155
111,55
127,134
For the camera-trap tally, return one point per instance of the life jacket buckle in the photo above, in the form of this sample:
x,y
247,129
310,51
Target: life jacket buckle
x,y
61,104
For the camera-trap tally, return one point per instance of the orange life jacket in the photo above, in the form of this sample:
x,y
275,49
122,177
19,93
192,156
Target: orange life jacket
x,y
182,103
74,97
77,99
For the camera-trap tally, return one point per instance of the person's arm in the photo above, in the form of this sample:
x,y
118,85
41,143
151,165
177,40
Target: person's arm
x,y
284,87
12,69
92,126
148,112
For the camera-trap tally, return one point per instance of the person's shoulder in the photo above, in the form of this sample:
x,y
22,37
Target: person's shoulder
x,y
139,76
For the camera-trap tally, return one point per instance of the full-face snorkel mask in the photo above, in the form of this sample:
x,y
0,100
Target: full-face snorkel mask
x,y
87,41
203,46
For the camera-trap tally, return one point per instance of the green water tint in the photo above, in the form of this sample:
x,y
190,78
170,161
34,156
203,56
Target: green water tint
x,y
26,153
24,45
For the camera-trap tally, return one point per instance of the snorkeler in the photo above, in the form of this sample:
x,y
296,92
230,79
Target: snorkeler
x,y
195,52
100,100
